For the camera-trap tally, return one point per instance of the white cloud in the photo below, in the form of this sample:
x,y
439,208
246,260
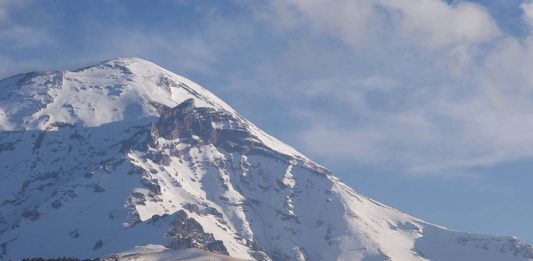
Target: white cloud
x,y
427,23
17,36
192,53
433,87
436,23
5,5
527,8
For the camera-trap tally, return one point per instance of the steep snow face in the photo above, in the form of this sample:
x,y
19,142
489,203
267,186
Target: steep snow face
x,y
125,154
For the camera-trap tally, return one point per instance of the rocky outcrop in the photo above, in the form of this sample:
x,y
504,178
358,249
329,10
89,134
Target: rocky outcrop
x,y
188,233
185,121
208,126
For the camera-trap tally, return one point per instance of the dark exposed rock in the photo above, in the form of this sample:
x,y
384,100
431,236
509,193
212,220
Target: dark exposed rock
x,y
165,160
214,212
288,217
110,164
133,218
159,158
138,198
192,207
139,141
156,218
184,121
136,171
160,108
217,246
56,204
202,210
151,185
188,233
76,136
74,233
7,146
97,188
59,124
39,141
98,244
31,215
166,81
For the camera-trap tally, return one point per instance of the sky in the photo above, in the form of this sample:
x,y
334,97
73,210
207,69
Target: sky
x,y
425,105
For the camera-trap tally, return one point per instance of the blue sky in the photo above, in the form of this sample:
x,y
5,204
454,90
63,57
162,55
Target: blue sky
x,y
425,105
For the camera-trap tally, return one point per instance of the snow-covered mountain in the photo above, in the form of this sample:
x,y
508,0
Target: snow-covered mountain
x,y
126,154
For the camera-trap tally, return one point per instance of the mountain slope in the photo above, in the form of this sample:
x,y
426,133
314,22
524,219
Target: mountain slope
x,y
124,153
160,253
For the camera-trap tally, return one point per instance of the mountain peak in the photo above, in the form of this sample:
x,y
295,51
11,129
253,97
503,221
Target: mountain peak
x,y
114,90
117,90
129,61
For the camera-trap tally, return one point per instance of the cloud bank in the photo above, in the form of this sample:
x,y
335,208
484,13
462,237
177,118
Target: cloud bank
x,y
436,87
422,86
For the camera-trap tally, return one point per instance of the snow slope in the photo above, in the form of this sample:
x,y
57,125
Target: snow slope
x,y
125,153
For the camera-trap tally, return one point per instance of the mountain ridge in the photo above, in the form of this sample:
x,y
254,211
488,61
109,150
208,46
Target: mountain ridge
x,y
125,153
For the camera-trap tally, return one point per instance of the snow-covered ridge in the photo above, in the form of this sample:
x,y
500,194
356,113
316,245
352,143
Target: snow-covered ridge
x,y
115,90
121,89
124,153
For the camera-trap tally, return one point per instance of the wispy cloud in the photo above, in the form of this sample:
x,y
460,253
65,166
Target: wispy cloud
x,y
426,23
3,14
4,4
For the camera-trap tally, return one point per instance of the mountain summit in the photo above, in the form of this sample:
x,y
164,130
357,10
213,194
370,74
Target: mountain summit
x,y
128,160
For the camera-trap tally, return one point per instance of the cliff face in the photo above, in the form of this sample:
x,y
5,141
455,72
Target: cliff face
x,y
124,154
